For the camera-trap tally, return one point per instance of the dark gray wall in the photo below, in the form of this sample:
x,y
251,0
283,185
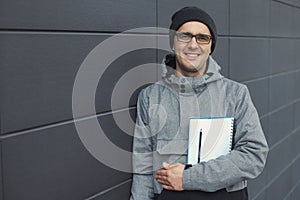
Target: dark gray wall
x,y
43,43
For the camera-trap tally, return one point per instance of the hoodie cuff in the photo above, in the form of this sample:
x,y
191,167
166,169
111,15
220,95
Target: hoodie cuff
x,y
186,179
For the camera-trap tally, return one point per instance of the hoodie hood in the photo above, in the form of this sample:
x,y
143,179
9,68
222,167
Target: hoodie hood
x,y
190,84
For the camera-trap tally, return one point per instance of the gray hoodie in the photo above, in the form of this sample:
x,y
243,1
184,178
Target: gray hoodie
x,y
161,132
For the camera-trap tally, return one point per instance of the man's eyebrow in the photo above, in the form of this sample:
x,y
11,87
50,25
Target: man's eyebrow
x,y
194,34
186,33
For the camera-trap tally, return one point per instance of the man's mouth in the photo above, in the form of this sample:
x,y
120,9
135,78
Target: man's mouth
x,y
192,55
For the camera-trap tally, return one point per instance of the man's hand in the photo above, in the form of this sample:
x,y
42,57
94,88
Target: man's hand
x,y
171,176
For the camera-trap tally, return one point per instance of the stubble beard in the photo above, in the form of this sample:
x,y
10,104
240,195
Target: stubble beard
x,y
191,69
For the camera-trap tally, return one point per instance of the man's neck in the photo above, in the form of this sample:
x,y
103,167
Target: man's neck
x,y
179,72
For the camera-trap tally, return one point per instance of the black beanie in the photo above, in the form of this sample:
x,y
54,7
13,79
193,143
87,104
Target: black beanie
x,y
187,14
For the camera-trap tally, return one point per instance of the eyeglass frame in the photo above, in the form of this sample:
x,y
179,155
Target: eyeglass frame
x,y
191,36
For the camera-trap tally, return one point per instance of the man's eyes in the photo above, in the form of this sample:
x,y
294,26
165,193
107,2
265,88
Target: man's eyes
x,y
185,36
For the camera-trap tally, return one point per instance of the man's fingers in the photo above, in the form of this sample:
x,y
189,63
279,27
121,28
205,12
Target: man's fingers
x,y
163,180
167,187
166,165
161,177
162,172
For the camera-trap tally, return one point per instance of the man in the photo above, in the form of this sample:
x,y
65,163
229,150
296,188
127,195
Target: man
x,y
192,86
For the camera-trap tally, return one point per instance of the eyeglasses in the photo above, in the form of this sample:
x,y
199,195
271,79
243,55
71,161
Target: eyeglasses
x,y
187,37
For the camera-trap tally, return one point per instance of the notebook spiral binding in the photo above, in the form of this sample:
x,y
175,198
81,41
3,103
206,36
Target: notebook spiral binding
x,y
231,134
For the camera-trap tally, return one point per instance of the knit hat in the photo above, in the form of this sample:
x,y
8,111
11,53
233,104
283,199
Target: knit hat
x,y
187,14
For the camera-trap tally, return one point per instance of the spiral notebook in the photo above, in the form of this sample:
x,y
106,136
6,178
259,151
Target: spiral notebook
x,y
212,137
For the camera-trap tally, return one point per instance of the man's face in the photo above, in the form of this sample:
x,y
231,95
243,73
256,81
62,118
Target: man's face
x,y
191,57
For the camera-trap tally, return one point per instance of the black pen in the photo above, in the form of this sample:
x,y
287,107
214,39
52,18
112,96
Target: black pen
x,y
200,138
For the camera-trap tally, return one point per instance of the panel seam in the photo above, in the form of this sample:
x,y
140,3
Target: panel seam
x,y
108,190
292,190
272,76
277,176
280,108
287,4
60,123
295,131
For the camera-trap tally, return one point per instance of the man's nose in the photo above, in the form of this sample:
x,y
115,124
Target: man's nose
x,y
193,43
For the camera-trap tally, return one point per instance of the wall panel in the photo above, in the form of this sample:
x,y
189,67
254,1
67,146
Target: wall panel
x,y
76,15
115,194
289,2
296,22
281,16
296,85
246,18
297,114
259,91
297,49
284,182
221,55
296,180
1,173
256,186
281,90
280,125
288,151
295,193
249,58
281,59
38,73
52,163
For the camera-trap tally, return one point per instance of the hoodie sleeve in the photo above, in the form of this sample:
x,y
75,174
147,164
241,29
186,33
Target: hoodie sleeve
x,y
142,183
245,161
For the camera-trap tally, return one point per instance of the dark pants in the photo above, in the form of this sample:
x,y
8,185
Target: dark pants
x,y
199,195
